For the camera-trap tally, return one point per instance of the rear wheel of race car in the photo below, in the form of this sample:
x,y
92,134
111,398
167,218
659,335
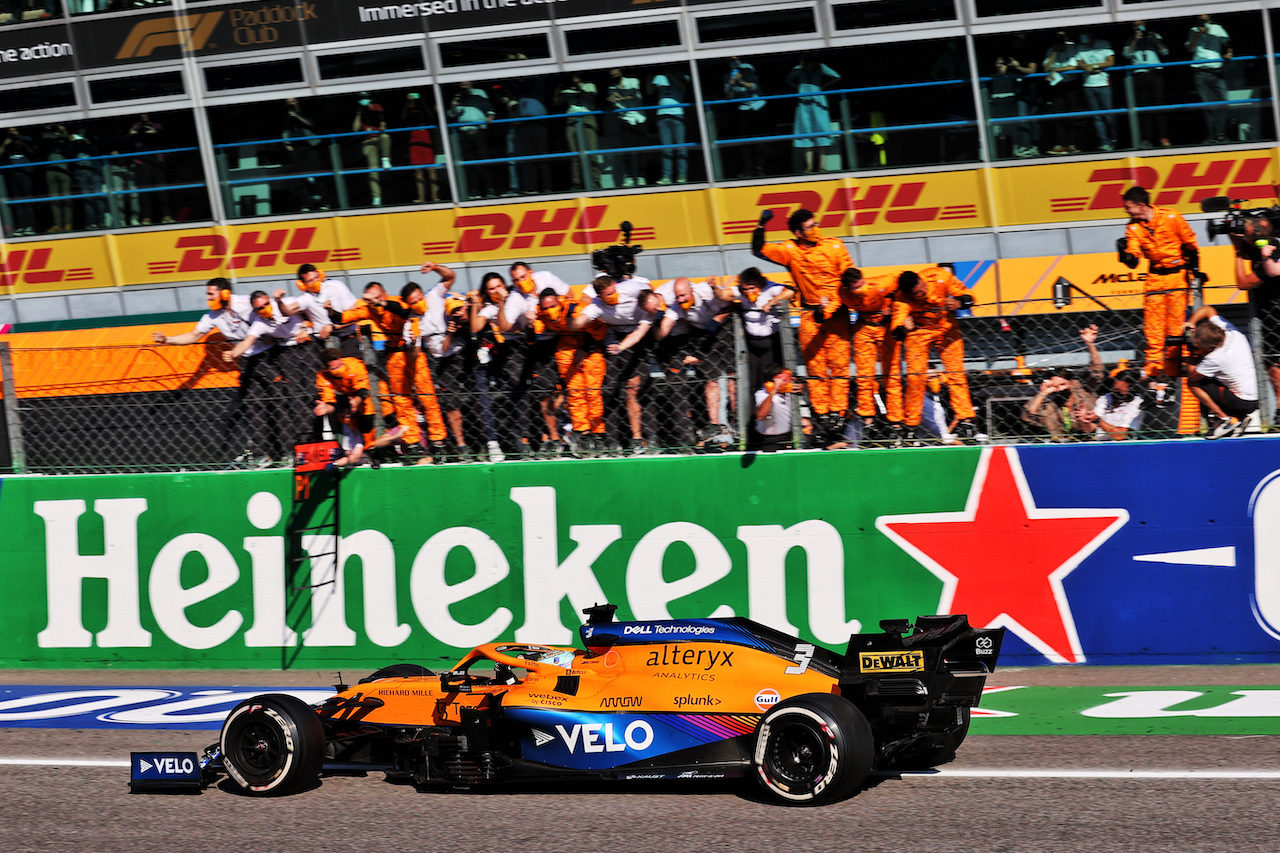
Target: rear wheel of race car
x,y
272,744
813,749
398,670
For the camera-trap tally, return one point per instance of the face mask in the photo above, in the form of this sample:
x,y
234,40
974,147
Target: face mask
x,y
264,311
526,285
220,301
314,286
339,370
687,302
552,313
610,298
813,235
419,307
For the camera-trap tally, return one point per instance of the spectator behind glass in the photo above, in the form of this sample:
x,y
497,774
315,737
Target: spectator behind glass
x,y
306,152
1095,56
89,181
809,78
1146,51
1209,44
417,116
578,96
741,118
371,118
55,148
471,108
1063,87
527,99
18,152
627,125
147,140
669,86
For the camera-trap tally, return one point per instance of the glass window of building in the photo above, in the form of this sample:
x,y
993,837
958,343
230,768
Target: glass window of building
x,y
839,110
158,84
376,148
394,60
42,97
640,36
274,73
83,175
1130,86
94,7
487,51
992,8
886,13
617,127
746,25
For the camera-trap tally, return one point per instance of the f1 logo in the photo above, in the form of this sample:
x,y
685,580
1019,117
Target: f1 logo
x,y
187,32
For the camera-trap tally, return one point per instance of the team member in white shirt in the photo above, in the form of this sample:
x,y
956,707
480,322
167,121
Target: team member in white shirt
x,y
1225,381
1118,411
530,368
772,427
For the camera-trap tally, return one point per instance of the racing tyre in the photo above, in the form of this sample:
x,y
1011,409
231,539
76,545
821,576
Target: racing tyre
x,y
398,670
272,744
813,749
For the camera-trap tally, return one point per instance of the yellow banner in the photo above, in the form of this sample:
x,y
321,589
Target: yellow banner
x,y
987,197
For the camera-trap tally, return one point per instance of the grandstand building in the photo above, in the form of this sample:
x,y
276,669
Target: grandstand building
x,y
151,147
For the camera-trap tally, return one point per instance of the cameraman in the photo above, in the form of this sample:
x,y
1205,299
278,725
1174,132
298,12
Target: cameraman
x,y
1164,238
1224,381
1262,280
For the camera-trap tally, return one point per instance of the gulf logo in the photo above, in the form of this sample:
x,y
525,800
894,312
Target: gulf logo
x,y
767,698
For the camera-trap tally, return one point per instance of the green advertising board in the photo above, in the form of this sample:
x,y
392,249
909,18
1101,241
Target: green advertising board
x,y
215,569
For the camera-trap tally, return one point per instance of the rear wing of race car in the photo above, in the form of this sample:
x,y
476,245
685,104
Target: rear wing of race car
x,y
942,657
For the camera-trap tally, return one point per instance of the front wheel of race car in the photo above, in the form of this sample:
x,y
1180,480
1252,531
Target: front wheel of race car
x,y
813,749
272,744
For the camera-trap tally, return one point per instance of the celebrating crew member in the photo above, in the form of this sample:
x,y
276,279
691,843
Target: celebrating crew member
x,y
345,400
872,300
316,288
816,263
580,360
530,368
923,318
407,372
1164,238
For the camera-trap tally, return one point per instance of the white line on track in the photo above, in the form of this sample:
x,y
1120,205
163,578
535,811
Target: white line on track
x,y
1098,774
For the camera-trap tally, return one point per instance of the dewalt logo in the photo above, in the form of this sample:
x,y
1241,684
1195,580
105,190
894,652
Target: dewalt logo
x,y
891,661
875,201
188,33
32,267
253,250
543,228
1188,182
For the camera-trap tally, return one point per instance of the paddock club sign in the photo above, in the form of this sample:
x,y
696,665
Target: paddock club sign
x,y
194,569
205,31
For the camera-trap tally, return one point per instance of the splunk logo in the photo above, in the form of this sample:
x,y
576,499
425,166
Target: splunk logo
x,y
255,249
188,33
1174,183
894,201
32,266
543,228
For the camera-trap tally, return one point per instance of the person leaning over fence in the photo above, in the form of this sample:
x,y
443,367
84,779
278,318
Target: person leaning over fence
x,y
816,263
1164,238
580,361
259,370
537,378
315,289
1262,279
872,300
345,403
407,374
1224,380
757,297
1063,397
1117,411
228,314
444,331
687,341
772,427
924,319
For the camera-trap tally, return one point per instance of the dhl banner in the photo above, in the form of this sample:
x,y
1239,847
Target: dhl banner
x,y
849,206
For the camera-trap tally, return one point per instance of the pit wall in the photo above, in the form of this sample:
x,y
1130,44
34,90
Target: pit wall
x,y
1165,552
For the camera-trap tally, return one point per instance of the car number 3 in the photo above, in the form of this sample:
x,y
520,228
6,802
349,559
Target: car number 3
x,y
803,654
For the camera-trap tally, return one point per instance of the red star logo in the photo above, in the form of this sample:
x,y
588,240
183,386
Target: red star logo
x,y
1002,559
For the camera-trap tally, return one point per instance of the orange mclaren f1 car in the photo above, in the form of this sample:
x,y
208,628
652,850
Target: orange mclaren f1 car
x,y
675,699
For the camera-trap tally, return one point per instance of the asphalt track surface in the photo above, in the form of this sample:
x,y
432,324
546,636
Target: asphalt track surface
x,y
1002,793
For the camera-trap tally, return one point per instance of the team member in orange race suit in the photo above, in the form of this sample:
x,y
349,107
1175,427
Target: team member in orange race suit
x,y
1165,239
580,361
872,300
923,318
406,365
816,263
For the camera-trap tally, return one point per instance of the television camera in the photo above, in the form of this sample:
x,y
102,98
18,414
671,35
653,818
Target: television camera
x,y
620,260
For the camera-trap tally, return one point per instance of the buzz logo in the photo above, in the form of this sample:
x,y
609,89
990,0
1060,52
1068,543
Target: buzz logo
x,y
984,645
603,737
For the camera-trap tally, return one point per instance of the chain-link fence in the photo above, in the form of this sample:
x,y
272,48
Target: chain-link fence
x,y
137,408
